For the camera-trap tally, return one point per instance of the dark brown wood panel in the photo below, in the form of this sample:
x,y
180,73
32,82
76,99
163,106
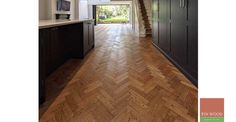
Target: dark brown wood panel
x,y
163,25
193,37
176,35
58,44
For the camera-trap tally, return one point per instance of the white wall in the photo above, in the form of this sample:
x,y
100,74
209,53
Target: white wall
x,y
42,12
44,9
83,9
72,8
90,11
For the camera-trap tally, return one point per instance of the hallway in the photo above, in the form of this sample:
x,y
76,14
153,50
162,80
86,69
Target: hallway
x,y
124,79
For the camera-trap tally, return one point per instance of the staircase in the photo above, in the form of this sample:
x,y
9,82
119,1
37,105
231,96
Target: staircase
x,y
147,25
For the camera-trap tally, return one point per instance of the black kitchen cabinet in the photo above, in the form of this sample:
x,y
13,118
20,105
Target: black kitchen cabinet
x,y
42,73
91,34
179,31
58,44
73,34
49,54
154,21
56,49
79,47
164,25
193,37
175,33
88,36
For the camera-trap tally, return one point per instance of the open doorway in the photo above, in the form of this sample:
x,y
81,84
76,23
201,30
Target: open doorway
x,y
113,14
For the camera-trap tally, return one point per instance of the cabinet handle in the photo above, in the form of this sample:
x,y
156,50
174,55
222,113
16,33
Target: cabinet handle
x,y
183,3
186,4
180,3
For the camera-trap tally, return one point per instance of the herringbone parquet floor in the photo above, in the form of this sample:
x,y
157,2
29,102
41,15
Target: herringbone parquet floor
x,y
124,79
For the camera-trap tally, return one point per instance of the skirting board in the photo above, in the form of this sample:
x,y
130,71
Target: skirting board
x,y
192,79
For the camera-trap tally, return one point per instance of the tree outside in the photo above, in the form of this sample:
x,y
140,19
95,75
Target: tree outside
x,y
107,14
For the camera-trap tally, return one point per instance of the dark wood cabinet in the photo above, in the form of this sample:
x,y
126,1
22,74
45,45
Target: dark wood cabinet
x,y
91,34
193,37
58,44
164,25
86,37
79,38
175,33
56,49
73,36
88,33
42,73
179,31
179,43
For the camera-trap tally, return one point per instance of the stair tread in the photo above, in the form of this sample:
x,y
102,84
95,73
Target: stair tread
x,y
145,18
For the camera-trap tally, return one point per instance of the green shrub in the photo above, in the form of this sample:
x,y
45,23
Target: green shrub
x,y
117,19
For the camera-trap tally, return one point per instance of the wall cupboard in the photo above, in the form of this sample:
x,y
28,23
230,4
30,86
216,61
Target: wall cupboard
x,y
175,33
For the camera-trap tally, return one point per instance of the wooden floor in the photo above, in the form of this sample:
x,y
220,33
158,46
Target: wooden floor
x,y
124,79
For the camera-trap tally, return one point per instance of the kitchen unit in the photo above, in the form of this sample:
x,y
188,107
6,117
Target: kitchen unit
x,y
60,40
175,33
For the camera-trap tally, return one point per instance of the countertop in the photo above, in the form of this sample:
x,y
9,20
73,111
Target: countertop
x,y
54,23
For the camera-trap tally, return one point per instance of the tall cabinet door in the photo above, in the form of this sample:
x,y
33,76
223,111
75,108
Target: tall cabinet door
x,y
179,31
193,37
91,34
86,37
42,73
155,22
163,26
176,33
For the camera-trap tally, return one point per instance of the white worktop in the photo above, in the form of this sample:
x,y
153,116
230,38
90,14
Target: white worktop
x,y
54,23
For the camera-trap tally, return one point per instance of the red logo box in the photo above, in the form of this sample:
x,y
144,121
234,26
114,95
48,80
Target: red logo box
x,y
212,107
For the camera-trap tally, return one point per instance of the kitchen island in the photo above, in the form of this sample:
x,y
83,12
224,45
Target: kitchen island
x,y
60,40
